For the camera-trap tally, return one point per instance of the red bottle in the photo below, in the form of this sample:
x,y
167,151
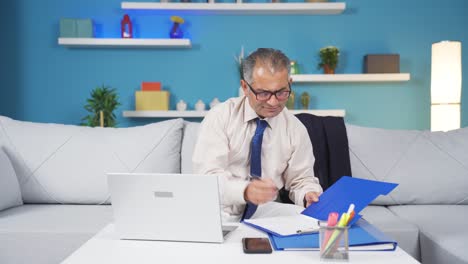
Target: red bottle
x,y
126,27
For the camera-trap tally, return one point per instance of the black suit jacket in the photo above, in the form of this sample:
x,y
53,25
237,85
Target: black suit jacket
x,y
330,147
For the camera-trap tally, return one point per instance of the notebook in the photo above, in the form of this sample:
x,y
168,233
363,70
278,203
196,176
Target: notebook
x,y
170,207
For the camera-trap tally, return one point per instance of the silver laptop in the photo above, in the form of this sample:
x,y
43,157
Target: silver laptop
x,y
172,207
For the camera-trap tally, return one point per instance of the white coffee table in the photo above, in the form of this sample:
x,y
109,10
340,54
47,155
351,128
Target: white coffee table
x,y
106,247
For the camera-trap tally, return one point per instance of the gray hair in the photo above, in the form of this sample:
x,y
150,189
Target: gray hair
x,y
272,58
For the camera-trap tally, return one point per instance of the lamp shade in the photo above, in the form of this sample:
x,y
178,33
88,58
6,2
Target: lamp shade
x,y
446,79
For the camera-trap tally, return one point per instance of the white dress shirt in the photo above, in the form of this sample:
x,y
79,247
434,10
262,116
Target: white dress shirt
x,y
223,147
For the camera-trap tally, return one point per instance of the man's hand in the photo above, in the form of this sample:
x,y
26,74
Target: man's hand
x,y
260,191
310,198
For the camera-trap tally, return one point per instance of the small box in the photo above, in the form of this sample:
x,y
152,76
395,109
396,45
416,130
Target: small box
x,y
152,100
76,28
151,86
84,28
382,63
334,243
67,28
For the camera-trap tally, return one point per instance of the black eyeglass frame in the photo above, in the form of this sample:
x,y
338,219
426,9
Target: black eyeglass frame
x,y
270,93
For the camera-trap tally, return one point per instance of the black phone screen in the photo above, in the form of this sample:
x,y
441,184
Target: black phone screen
x,y
256,245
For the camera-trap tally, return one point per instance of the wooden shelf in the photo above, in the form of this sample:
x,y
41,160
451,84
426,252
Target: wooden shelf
x,y
366,77
175,114
125,42
241,8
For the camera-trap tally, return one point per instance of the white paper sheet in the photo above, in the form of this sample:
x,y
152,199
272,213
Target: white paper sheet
x,y
287,225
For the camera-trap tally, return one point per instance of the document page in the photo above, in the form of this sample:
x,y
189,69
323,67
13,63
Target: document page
x,y
286,225
272,209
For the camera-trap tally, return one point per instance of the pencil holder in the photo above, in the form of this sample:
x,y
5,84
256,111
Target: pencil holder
x,y
334,244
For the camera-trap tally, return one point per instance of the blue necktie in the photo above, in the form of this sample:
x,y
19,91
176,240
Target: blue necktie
x,y
255,162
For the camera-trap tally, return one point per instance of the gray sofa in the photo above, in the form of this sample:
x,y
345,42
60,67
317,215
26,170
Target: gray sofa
x,y
53,194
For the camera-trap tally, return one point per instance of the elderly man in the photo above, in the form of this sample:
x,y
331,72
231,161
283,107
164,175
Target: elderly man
x,y
255,144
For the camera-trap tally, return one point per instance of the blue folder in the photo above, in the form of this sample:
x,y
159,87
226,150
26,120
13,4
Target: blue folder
x,y
346,191
362,237
337,198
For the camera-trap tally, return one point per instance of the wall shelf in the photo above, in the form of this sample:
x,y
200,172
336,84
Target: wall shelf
x,y
241,8
125,42
175,114
366,77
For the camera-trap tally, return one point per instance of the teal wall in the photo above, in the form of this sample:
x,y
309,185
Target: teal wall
x,y
44,82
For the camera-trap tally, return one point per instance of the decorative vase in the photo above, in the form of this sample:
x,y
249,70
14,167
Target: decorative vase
x,y
181,106
126,27
305,100
176,32
294,67
290,102
328,70
200,106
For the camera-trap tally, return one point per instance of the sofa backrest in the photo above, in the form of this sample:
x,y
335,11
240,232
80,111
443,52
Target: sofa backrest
x,y
430,167
68,164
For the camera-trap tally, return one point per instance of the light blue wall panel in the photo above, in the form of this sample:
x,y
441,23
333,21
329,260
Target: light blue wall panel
x,y
42,81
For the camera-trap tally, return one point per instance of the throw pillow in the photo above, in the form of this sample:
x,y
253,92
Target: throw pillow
x,y
68,164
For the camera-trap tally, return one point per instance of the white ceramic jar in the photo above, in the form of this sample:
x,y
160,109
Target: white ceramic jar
x,y
181,105
200,106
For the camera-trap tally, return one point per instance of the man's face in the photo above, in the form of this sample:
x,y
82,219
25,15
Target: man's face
x,y
266,80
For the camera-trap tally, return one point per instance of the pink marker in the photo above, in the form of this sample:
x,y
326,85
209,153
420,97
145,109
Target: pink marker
x,y
332,221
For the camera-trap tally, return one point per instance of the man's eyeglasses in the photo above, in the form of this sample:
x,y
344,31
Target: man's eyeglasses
x,y
281,94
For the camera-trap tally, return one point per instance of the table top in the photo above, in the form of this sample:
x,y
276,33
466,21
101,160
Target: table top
x,y
106,247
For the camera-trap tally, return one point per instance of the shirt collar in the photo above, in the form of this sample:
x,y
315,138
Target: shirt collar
x,y
250,114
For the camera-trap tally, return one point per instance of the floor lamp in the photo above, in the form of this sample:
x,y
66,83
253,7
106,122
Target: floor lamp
x,y
446,79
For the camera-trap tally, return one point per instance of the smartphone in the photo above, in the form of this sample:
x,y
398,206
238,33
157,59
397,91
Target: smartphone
x,y
256,245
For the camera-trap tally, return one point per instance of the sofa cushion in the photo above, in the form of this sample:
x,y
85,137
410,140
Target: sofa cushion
x,y
443,237
431,167
48,233
10,194
188,144
68,164
405,233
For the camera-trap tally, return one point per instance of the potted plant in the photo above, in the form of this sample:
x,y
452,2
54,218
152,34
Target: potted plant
x,y
329,59
101,106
